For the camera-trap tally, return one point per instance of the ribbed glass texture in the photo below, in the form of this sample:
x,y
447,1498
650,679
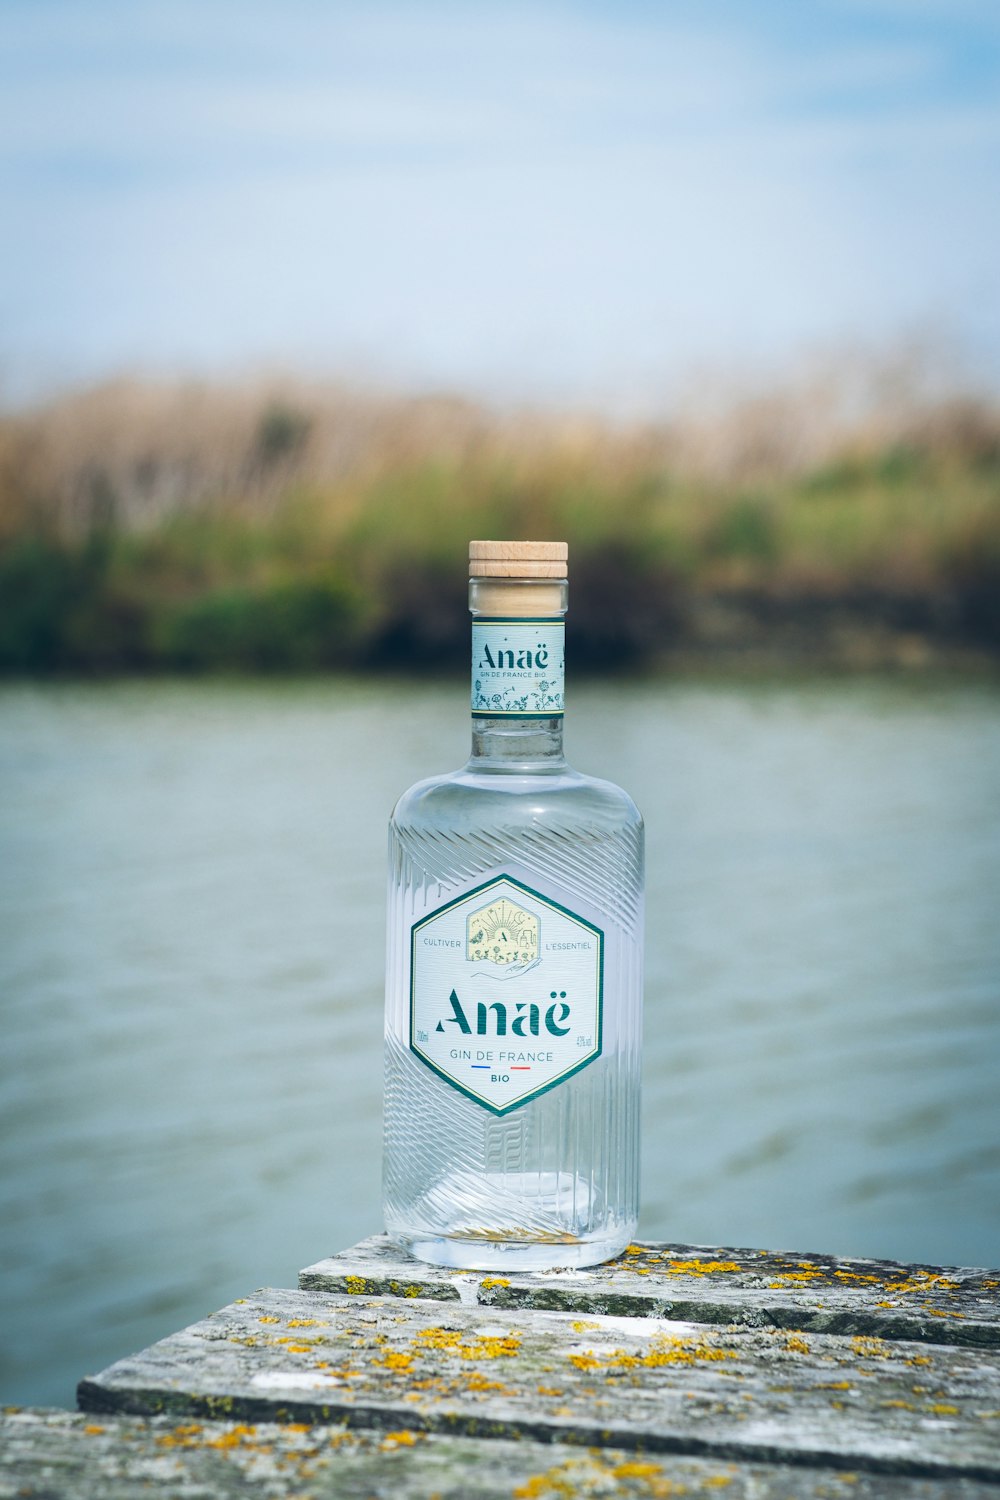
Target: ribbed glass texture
x,y
555,1181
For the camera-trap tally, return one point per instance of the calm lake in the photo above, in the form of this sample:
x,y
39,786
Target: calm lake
x,y
191,940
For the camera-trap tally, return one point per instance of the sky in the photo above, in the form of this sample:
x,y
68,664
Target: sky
x,y
581,201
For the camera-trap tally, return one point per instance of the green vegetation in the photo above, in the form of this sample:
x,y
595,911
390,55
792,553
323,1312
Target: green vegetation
x,y
165,529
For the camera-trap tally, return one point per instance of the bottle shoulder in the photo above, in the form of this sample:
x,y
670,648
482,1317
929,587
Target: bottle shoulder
x,y
468,795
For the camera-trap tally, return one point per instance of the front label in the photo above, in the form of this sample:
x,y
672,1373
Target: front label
x,y
517,668
506,993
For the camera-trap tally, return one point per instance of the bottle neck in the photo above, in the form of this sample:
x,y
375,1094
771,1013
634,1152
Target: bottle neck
x,y
517,674
517,745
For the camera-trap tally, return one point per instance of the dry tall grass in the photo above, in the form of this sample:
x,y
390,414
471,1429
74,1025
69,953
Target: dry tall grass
x,y
179,514
138,451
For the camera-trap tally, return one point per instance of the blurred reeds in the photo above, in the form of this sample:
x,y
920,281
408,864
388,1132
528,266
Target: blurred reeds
x,y
289,526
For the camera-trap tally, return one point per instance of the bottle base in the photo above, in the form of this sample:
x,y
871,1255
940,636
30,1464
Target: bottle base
x,y
513,1255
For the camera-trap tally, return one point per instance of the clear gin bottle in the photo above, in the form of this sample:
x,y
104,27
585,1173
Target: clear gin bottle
x,y
514,966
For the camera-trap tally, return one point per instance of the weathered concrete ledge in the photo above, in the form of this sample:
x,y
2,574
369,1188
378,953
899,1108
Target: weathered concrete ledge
x,y
654,1385
55,1455
758,1288
674,1370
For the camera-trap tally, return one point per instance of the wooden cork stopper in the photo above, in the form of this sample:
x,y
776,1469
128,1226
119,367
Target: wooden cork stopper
x,y
518,559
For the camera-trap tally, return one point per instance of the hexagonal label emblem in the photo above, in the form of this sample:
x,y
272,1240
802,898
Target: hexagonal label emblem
x,y
506,993
502,933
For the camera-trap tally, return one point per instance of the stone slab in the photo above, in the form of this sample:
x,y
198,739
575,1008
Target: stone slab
x,y
821,1293
729,1395
56,1455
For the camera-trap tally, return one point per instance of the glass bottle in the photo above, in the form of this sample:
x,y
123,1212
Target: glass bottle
x,y
514,966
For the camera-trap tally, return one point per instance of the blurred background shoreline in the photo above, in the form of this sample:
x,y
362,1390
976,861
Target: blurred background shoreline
x,y
847,520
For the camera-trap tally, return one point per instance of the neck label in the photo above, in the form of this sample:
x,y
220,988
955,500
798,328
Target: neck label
x,y
518,668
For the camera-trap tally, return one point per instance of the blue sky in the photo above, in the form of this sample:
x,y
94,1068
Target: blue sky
x,y
570,201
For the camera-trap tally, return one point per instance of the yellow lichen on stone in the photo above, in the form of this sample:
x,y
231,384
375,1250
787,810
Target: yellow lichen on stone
x,y
483,1346
192,1434
589,1361
921,1281
395,1359
536,1485
478,1382
182,1436
267,1318
792,1278
306,1323
564,1479
663,1351
796,1344
491,1281
597,1475
701,1267
941,1409
234,1438
355,1285
870,1347
402,1439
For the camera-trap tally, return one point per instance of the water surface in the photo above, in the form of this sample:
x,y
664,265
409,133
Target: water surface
x,y
191,894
